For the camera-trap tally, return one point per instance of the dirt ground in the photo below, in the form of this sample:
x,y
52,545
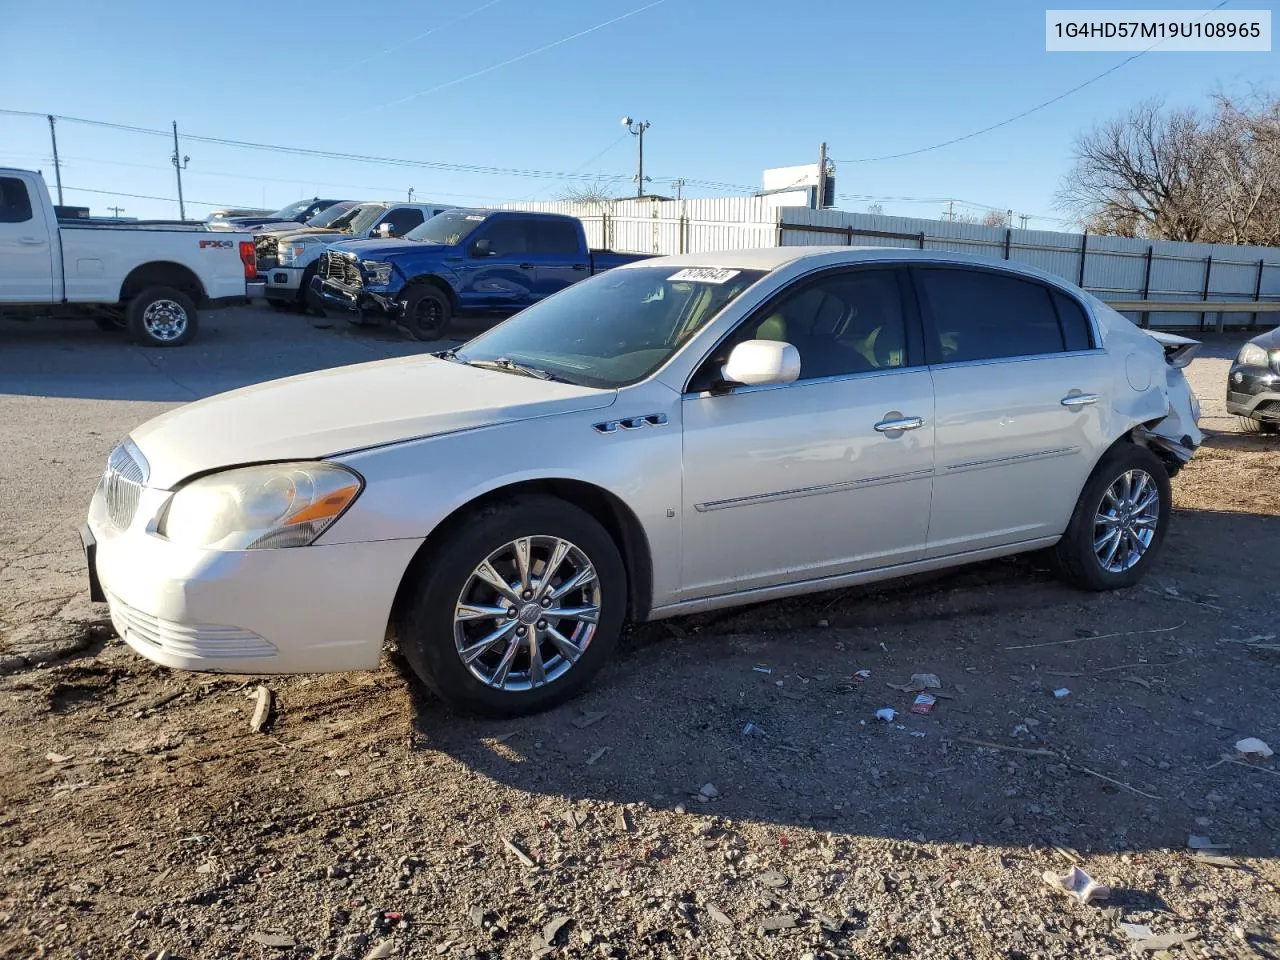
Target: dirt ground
x,y
724,788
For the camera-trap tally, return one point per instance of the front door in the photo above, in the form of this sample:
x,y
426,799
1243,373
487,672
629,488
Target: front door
x,y
497,273
830,474
26,253
1023,394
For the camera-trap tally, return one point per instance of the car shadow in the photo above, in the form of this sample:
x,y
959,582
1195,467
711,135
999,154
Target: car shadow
x,y
765,704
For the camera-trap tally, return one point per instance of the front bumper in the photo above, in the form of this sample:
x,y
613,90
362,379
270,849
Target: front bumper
x,y
332,293
283,282
296,610
1253,392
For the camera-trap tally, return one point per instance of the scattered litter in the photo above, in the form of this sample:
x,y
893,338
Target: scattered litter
x,y
624,822
1253,747
929,681
1163,942
774,878
883,647
587,719
751,730
708,791
917,733
342,772
719,916
923,703
597,755
780,921
59,757
824,623
520,853
861,675
762,669
551,929
1137,681
273,940
1137,931
1078,884
1061,692
261,709
575,818
1196,842
381,951
1213,860
886,714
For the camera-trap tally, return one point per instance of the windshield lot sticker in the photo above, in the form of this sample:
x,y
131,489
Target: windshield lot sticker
x,y
704,274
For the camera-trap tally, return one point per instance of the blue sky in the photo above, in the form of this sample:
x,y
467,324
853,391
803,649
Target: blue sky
x,y
729,86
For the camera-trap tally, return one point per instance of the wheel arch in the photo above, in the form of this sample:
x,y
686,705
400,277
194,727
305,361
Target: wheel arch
x,y
162,273
618,520
433,280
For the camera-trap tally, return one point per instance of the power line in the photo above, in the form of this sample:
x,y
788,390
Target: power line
x,y
517,59
422,36
1025,113
584,165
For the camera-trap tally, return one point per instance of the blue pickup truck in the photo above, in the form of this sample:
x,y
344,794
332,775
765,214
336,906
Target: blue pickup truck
x,y
460,261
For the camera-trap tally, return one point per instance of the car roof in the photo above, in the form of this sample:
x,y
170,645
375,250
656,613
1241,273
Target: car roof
x,y
773,258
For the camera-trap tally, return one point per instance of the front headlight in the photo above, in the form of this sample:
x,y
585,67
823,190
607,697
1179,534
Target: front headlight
x,y
378,272
1253,355
290,252
252,508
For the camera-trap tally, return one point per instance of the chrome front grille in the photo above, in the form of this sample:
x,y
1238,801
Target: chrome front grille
x,y
339,268
122,483
267,252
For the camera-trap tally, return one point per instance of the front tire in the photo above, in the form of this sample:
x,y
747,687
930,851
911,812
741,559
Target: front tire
x,y
161,317
426,312
517,609
1255,427
1119,522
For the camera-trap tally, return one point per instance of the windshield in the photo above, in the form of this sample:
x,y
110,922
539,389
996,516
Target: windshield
x,y
616,328
292,210
449,228
325,218
362,218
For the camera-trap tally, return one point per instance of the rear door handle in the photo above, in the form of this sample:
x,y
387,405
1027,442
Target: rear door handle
x,y
526,266
899,423
578,266
1079,399
31,242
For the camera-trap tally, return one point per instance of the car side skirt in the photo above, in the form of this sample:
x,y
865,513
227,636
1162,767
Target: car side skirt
x,y
798,587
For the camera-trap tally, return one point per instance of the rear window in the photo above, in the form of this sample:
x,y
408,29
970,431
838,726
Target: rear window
x,y
15,202
983,315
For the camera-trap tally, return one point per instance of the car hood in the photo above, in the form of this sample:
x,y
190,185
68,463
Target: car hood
x,y
389,248
1269,340
308,232
320,414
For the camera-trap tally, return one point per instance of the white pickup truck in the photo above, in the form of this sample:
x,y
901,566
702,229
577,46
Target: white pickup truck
x,y
147,277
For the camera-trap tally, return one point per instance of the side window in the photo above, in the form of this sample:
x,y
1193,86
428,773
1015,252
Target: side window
x,y
15,202
1075,325
403,220
983,315
554,237
508,237
843,323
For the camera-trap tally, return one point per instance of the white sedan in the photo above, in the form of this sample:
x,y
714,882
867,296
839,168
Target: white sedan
x,y
673,436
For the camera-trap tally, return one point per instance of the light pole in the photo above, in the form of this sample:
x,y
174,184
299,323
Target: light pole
x,y
637,128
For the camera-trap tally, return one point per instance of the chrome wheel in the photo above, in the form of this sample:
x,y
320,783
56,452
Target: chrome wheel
x,y
527,613
1125,522
164,320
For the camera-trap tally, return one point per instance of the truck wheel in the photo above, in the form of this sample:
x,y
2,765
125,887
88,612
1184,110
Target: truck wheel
x,y
161,317
516,609
1119,521
425,311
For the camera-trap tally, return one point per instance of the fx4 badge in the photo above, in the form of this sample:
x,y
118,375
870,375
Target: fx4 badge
x,y
217,244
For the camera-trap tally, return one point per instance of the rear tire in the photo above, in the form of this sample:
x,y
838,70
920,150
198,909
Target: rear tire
x,y
516,620
161,317
1255,427
1127,497
425,312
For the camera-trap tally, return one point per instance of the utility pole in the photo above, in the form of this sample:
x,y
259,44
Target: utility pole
x,y
637,129
116,211
411,194
57,167
822,177
1024,217
678,186
1008,222
179,164
951,211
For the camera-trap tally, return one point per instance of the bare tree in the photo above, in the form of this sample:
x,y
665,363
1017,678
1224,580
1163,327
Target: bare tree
x,y
875,209
995,218
1246,149
596,193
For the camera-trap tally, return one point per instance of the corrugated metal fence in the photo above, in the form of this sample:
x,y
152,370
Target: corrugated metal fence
x,y
1113,268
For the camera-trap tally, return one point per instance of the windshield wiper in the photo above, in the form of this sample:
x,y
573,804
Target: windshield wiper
x,y
514,366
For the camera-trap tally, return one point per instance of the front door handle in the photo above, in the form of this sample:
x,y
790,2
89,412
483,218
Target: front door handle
x,y
899,423
526,266
31,242
1079,399
578,266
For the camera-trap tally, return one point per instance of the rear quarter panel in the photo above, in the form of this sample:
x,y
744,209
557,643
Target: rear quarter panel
x,y
98,259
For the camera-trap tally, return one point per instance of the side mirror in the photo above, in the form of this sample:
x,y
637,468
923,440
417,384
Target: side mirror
x,y
758,362
481,248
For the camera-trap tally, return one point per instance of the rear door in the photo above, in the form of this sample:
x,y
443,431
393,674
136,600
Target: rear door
x,y
26,248
503,278
1022,406
558,257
